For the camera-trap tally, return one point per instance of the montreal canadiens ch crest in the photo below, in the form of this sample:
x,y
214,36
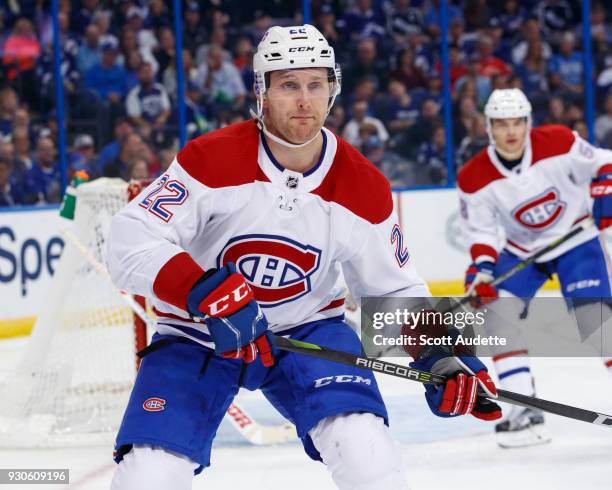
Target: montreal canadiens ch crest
x,y
540,211
278,269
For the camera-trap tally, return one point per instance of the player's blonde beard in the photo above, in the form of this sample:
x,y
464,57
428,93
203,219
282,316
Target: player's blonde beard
x,y
259,117
272,128
260,121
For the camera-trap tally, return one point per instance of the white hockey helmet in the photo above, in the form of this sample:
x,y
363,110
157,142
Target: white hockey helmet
x,y
286,48
507,103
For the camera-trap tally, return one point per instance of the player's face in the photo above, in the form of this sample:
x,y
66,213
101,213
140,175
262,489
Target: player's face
x,y
509,134
296,103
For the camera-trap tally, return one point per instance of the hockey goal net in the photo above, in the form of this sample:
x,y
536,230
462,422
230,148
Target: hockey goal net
x,y
74,379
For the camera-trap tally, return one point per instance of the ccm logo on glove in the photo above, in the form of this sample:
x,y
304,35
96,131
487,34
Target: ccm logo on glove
x,y
236,323
233,295
601,189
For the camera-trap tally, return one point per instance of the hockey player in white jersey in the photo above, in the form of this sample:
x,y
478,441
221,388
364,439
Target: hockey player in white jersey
x,y
245,235
533,184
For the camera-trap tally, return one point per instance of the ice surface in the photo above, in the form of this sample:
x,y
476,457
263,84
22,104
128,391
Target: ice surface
x,y
438,453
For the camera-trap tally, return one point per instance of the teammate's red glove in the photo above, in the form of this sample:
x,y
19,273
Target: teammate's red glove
x,y
477,284
604,223
601,192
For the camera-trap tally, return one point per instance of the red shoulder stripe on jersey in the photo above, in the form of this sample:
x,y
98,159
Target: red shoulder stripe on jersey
x,y
225,157
605,169
499,357
479,249
608,363
546,142
477,173
356,184
549,141
176,278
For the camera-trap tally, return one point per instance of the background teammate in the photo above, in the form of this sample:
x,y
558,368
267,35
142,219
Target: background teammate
x,y
528,188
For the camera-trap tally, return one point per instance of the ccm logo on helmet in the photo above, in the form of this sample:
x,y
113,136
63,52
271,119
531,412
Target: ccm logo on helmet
x,y
540,211
278,269
154,404
301,48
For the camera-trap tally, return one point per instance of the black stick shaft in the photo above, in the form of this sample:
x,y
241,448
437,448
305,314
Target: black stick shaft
x,y
554,407
400,371
349,359
549,248
524,263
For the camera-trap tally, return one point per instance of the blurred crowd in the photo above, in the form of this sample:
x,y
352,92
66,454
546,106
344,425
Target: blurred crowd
x,y
119,77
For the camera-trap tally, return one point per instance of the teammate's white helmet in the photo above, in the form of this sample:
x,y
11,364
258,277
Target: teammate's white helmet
x,y
285,48
507,103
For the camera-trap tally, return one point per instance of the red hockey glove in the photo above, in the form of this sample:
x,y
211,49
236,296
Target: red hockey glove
x,y
236,323
477,284
601,192
461,394
261,346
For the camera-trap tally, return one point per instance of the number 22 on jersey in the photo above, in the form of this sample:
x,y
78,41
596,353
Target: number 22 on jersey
x,y
165,194
401,253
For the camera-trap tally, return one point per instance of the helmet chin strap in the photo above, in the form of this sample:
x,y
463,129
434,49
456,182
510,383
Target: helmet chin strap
x,y
262,126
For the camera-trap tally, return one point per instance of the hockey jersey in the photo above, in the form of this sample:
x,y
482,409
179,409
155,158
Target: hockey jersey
x,y
226,199
535,203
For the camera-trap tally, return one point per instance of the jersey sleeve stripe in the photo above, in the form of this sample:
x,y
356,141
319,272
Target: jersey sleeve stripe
x,y
175,279
171,316
478,250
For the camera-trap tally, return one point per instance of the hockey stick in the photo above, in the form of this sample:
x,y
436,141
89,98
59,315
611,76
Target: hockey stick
x,y
257,433
250,429
409,373
522,264
510,272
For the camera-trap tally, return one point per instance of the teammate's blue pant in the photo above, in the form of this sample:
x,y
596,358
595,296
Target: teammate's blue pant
x,y
582,273
183,390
